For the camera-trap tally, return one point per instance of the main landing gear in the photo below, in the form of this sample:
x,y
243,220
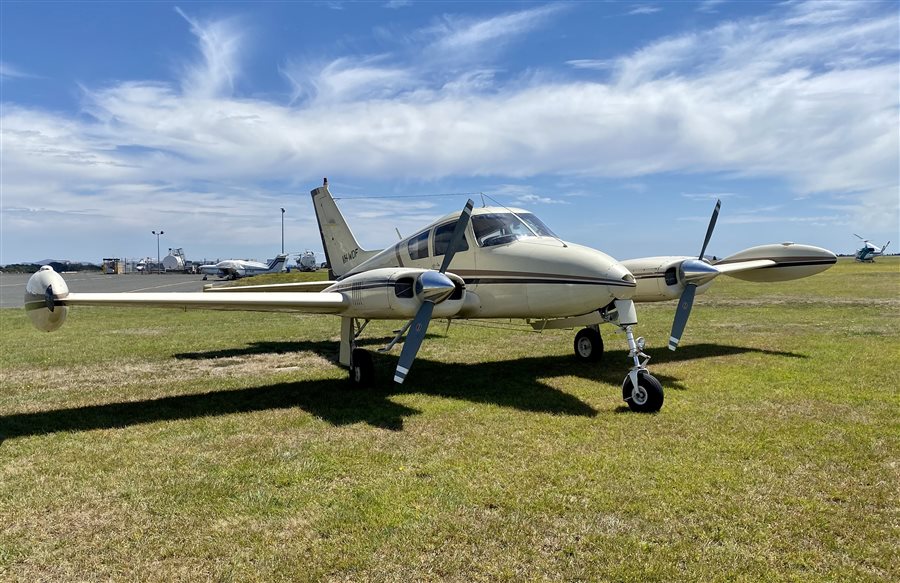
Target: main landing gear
x,y
640,389
358,361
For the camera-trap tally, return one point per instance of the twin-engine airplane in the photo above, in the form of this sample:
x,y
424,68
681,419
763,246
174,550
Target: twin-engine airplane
x,y
492,262
235,268
868,252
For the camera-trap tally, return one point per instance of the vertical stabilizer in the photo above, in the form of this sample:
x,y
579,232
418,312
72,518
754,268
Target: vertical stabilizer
x,y
277,264
342,251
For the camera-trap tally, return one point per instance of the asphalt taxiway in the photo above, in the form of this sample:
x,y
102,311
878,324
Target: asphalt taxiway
x,y
12,285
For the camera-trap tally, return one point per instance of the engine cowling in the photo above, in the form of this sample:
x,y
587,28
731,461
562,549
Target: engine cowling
x,y
660,278
43,294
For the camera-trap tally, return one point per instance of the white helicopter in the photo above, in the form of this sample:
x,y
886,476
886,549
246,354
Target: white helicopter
x,y
868,252
505,262
237,268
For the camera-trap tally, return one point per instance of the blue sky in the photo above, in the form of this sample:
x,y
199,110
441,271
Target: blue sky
x,y
618,123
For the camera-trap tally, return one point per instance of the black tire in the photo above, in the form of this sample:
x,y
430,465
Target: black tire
x,y
588,345
362,370
649,396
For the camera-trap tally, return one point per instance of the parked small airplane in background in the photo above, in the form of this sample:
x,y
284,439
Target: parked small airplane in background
x,y
235,268
506,263
868,252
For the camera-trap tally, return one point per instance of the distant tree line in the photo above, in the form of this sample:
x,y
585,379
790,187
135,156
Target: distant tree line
x,y
57,266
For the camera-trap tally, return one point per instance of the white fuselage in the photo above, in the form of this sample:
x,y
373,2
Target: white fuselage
x,y
527,277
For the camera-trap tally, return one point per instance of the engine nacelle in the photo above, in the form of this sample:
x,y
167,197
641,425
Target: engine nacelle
x,y
397,293
659,278
43,294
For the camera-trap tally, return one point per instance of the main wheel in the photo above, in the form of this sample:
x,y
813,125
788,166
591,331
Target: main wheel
x,y
588,345
362,371
647,397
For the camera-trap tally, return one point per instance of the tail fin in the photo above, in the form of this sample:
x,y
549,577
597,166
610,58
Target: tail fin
x,y
277,264
342,251
885,246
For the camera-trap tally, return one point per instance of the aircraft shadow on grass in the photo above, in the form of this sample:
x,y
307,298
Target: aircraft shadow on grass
x,y
514,384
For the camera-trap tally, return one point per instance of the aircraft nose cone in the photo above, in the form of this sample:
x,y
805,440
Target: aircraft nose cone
x,y
434,286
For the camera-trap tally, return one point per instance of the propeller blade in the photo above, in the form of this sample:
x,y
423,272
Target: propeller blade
x,y
858,237
712,225
459,232
413,341
685,303
435,288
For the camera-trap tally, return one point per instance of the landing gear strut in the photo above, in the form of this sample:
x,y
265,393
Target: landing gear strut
x,y
640,389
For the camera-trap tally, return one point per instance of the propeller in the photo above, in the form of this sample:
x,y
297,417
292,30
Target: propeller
x,y
694,272
433,287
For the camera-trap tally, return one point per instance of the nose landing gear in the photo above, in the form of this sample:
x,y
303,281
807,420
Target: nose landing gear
x,y
640,389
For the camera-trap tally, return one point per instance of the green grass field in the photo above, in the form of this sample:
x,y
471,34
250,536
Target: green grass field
x,y
154,445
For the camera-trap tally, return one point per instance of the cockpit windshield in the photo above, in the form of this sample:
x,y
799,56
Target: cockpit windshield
x,y
499,228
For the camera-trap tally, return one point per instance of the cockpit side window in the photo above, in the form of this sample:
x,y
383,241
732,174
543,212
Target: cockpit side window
x,y
537,225
418,246
442,236
500,228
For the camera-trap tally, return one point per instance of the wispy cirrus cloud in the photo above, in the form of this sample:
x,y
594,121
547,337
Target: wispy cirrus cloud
x,y
220,43
644,9
459,37
9,71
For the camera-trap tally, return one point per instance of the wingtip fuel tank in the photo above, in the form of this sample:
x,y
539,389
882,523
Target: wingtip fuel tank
x,y
43,294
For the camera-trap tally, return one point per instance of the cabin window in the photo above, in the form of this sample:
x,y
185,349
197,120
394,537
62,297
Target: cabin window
x,y
418,246
442,236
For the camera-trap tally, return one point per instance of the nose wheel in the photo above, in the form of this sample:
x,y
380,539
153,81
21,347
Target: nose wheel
x,y
646,397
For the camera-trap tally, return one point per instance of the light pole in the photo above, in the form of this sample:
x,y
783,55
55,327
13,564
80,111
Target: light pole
x,y
282,231
158,264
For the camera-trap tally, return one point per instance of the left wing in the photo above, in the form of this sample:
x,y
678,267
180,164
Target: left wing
x,y
317,303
